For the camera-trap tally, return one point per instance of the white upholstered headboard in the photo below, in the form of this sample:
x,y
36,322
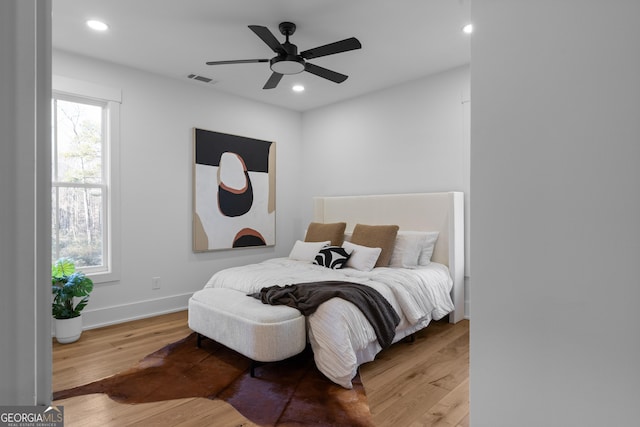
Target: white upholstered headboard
x,y
442,212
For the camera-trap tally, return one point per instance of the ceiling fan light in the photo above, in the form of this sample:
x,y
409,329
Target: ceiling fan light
x,y
287,65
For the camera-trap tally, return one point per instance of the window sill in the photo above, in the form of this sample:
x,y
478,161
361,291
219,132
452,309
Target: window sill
x,y
104,277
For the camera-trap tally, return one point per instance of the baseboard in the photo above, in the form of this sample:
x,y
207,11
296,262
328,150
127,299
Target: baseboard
x,y
98,318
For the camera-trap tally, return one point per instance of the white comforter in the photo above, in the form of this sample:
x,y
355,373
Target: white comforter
x,y
340,335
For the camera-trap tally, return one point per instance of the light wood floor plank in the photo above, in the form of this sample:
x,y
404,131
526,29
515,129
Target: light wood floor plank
x,y
450,411
424,383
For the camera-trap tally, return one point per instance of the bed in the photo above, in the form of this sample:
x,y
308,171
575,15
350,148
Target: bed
x,y
341,337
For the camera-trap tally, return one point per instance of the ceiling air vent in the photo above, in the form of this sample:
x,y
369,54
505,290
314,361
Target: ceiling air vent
x,y
202,79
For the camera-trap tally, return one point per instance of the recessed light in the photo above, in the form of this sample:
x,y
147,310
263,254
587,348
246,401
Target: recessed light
x,y
467,29
97,25
298,88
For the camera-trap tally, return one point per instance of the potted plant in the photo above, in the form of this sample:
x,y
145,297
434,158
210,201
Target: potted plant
x,y
67,285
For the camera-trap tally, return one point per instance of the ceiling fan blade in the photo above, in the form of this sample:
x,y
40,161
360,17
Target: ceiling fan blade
x,y
332,48
273,81
268,37
325,73
237,61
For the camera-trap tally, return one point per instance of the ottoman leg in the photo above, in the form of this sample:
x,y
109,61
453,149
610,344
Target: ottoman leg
x,y
198,340
254,365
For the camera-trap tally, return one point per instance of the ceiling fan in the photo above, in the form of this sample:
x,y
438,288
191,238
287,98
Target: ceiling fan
x,y
289,61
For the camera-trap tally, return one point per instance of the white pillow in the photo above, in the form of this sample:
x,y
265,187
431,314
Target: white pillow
x,y
406,249
427,249
411,247
306,251
362,257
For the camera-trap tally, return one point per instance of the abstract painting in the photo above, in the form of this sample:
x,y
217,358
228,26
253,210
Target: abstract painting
x,y
234,191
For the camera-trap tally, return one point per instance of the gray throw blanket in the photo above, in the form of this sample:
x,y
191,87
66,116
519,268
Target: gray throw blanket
x,y
306,297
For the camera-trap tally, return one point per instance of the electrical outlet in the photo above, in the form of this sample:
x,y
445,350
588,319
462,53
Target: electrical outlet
x,y
155,283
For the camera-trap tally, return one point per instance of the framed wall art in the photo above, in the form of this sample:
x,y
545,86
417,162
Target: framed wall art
x,y
234,200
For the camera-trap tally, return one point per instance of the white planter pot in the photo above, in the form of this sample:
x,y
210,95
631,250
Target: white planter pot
x,y
68,330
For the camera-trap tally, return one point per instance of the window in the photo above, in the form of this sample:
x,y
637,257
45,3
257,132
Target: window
x,y
84,189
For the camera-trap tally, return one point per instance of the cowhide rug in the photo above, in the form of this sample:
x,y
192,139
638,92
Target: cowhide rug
x,y
290,392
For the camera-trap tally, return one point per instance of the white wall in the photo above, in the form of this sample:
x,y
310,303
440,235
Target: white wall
x,y
157,118
555,336
405,139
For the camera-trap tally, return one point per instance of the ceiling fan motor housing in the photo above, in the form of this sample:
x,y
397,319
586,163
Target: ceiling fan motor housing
x,y
289,62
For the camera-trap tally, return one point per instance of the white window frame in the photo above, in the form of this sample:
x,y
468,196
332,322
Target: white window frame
x,y
111,98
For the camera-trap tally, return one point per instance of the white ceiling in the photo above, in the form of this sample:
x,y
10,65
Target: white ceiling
x,y
401,41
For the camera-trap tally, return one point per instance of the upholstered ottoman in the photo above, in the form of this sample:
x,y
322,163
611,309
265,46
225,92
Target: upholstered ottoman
x,y
261,332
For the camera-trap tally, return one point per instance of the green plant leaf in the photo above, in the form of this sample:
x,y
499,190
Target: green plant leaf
x,y
81,305
67,284
78,285
62,267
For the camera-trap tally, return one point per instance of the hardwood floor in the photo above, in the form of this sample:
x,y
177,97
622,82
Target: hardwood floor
x,y
424,383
